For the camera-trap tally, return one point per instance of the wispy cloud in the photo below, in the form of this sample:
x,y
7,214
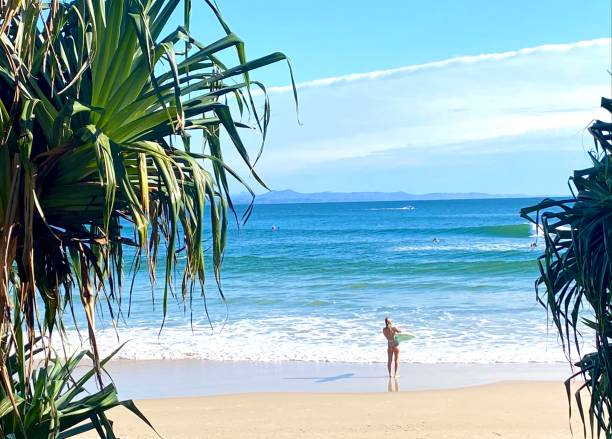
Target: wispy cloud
x,y
379,74
519,106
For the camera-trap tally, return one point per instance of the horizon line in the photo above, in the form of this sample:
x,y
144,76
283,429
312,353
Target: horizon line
x,y
506,195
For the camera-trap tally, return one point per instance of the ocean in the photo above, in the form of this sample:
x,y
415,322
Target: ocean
x,y
458,274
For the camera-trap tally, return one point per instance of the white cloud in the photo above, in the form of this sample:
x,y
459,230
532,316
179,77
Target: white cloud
x,y
472,110
379,74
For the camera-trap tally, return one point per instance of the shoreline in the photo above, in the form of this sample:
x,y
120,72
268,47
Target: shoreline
x,y
142,379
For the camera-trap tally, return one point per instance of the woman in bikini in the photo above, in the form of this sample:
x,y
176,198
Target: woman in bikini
x,y
389,332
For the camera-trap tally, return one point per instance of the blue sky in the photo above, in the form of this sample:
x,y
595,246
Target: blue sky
x,y
427,96
338,37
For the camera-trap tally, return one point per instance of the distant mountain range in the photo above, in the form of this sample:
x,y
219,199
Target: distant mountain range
x,y
289,196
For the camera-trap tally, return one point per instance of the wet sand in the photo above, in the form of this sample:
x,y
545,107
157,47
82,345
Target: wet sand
x,y
146,379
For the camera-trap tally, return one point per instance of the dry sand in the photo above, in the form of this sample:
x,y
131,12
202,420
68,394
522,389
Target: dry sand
x,y
504,410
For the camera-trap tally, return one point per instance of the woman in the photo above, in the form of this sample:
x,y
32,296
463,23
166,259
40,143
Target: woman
x,y
389,332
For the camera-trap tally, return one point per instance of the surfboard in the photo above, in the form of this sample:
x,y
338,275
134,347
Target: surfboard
x,y
403,337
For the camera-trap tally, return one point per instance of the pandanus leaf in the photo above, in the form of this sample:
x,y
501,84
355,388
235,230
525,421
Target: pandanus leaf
x,y
99,100
576,274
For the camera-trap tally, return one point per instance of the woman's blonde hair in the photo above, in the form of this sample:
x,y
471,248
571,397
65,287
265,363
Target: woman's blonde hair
x,y
388,322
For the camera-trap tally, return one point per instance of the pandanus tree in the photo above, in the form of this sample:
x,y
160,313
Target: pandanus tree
x,y
97,103
575,282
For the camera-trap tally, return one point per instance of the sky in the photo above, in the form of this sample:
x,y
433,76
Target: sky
x,y
436,96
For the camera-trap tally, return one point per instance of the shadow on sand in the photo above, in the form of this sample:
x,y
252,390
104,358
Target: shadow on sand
x,y
392,386
328,379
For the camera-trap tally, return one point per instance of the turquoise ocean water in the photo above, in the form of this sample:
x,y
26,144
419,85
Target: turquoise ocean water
x,y
459,274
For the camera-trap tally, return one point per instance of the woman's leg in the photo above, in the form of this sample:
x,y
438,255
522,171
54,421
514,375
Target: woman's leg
x,y
389,360
396,350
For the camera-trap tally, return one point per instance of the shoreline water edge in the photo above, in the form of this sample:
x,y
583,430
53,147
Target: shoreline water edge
x,y
155,379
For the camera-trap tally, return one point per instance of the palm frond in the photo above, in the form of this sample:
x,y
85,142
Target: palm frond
x,y
97,102
575,283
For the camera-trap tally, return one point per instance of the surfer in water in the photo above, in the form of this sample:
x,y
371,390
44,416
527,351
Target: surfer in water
x,y
389,331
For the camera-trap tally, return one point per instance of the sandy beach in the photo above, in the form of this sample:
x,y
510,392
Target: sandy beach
x,y
516,409
204,399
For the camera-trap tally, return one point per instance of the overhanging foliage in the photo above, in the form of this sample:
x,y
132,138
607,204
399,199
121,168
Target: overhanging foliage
x,y
97,100
575,283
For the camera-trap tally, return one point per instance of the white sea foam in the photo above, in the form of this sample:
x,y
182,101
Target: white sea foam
x,y
493,247
328,340
536,230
